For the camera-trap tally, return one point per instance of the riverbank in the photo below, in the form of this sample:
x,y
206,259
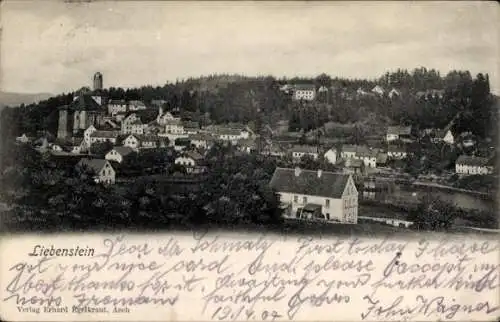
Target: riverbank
x,y
450,188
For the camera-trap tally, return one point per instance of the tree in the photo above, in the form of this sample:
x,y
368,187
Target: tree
x,y
433,213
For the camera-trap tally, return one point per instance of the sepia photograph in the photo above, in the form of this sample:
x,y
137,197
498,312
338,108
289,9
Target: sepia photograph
x,y
332,119
169,121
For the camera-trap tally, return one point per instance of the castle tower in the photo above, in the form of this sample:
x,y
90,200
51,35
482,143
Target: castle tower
x,y
98,84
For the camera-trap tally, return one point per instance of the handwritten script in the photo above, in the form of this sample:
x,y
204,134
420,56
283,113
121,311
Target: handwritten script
x,y
204,276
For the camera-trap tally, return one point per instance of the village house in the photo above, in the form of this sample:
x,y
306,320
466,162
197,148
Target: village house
x,y
174,126
137,127
395,133
247,145
202,140
117,106
273,150
231,135
158,102
103,136
331,156
352,166
74,145
191,127
396,152
379,90
126,123
362,92
23,138
118,153
102,169
148,141
394,93
136,106
132,141
361,152
180,144
87,133
306,92
471,165
163,117
445,135
298,151
317,194
192,161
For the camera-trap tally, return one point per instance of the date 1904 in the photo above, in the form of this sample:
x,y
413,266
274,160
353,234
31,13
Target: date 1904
x,y
228,313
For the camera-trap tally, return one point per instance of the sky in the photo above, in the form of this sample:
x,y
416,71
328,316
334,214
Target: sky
x,y
55,47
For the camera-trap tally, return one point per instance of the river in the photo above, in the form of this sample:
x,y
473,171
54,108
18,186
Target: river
x,y
459,199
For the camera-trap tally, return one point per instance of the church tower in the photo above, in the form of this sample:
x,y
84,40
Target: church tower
x,y
98,83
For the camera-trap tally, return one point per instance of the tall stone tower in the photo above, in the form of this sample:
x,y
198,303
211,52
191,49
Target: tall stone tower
x,y
98,81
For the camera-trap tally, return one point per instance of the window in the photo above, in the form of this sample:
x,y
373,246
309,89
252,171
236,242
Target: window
x,y
304,199
295,198
327,203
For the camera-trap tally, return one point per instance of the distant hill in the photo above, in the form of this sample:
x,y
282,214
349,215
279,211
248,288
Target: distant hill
x,y
15,99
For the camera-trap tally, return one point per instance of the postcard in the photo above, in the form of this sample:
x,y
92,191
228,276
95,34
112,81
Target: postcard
x,y
249,161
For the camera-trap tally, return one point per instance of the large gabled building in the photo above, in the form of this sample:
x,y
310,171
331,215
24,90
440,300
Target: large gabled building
x,y
321,195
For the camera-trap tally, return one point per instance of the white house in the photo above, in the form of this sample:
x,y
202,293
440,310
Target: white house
x,y
231,135
360,152
298,151
174,126
132,141
87,133
394,93
163,116
379,90
396,152
137,127
136,106
191,160
305,92
148,141
126,126
473,165
102,169
201,140
331,156
445,135
103,136
317,194
398,133
247,145
118,153
117,106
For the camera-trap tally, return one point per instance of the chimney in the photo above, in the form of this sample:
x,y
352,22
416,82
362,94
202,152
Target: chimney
x,y
320,172
297,171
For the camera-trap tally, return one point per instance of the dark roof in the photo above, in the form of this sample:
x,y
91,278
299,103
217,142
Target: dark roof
x,y
329,184
123,150
117,102
105,134
84,103
193,155
472,161
93,164
399,130
304,149
304,87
